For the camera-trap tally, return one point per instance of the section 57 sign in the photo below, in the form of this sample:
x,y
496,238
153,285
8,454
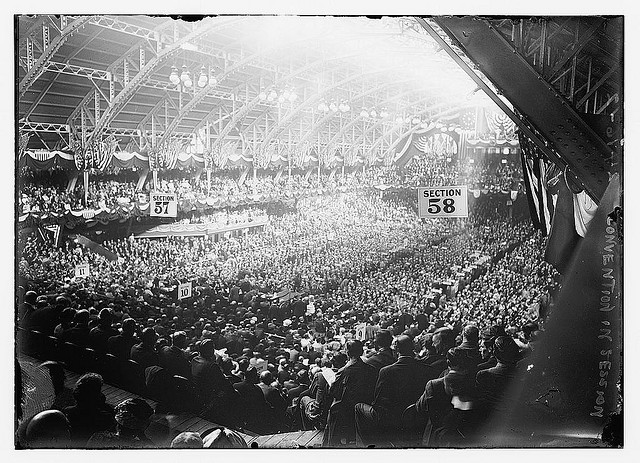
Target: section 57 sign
x,y
163,205
443,201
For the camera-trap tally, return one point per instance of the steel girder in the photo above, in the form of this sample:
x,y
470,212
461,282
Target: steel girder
x,y
569,141
39,66
125,94
256,101
282,125
318,124
359,118
244,110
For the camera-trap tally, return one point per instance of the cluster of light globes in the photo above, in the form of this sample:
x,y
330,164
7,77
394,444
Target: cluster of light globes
x,y
185,77
334,107
382,114
287,95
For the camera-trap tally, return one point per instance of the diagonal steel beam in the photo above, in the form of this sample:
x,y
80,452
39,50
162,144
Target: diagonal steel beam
x,y
129,90
565,138
40,65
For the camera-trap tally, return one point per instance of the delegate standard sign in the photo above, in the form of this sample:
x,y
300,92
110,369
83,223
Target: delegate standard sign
x,y
163,205
443,201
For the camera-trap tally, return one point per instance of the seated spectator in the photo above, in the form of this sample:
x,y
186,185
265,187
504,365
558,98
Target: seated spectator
x,y
212,388
133,417
91,413
145,352
470,348
252,409
443,339
354,383
66,322
461,425
399,385
488,338
174,358
79,333
99,336
493,383
120,345
384,355
273,396
314,403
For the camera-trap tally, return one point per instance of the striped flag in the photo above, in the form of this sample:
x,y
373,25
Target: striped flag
x,y
534,168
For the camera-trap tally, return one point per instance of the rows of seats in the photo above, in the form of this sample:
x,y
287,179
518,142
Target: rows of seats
x,y
172,392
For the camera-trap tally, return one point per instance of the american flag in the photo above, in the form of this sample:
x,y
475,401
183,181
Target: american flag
x,y
535,168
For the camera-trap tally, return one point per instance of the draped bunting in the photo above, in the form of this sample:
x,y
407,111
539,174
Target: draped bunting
x,y
102,155
126,160
46,160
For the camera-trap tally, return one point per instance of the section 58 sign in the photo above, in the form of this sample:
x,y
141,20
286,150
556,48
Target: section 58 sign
x,y
163,205
443,201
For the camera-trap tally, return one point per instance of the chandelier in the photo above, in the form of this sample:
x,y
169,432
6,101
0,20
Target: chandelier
x,y
184,78
280,96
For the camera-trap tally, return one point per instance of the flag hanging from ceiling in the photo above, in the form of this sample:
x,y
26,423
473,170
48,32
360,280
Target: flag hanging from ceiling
x,y
563,237
534,169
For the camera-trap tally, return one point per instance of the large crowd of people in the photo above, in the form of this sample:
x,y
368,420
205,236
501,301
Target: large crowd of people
x,y
491,175
42,192
313,323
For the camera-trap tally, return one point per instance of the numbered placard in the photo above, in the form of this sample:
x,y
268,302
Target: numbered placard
x,y
163,205
184,290
82,271
443,201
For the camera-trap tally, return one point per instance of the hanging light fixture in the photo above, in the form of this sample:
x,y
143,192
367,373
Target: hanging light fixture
x,y
384,114
272,95
262,95
185,74
174,78
415,120
399,120
333,107
364,113
373,113
202,80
